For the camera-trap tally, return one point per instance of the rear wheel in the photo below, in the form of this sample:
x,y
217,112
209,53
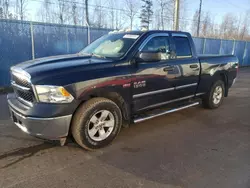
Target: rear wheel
x,y
214,98
96,123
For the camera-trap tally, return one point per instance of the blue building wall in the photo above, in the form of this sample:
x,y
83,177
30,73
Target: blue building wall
x,y
54,39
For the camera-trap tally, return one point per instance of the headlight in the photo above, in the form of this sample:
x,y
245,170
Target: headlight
x,y
53,94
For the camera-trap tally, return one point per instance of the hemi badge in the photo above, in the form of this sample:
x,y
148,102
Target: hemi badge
x,y
126,85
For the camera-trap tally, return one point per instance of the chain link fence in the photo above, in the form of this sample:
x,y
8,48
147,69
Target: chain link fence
x,y
21,41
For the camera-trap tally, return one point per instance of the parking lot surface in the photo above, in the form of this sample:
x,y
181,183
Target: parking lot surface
x,y
195,148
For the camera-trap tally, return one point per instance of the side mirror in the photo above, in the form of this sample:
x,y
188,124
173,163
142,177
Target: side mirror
x,y
148,56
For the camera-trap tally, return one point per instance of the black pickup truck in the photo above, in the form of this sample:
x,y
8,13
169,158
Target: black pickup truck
x,y
119,79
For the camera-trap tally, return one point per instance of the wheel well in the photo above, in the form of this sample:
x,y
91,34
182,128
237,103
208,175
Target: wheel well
x,y
116,98
113,96
224,78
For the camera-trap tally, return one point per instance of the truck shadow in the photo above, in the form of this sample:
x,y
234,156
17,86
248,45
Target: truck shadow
x,y
18,138
23,153
161,150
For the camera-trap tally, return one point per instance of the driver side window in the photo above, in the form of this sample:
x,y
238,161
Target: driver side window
x,y
158,44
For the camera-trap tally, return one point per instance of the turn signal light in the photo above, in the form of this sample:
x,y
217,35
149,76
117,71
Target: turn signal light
x,y
64,92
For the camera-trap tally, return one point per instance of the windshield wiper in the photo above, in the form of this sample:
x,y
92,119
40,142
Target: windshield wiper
x,y
97,55
84,53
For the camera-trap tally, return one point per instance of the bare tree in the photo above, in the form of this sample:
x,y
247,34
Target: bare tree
x,y
74,12
46,5
213,30
99,15
44,12
112,13
21,8
1,12
1,9
228,28
61,10
183,15
146,13
206,25
194,23
244,29
166,12
163,5
119,21
4,6
6,9
157,20
131,10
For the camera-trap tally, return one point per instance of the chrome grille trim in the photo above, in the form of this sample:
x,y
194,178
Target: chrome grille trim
x,y
23,88
21,73
13,83
24,101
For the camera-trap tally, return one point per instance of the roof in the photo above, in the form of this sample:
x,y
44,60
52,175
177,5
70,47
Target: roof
x,y
148,31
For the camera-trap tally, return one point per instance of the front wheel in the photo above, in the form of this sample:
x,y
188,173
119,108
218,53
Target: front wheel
x,y
214,98
96,123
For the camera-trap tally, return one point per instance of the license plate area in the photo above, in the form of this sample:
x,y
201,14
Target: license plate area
x,y
16,119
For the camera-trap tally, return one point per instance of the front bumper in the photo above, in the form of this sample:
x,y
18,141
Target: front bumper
x,y
47,128
51,128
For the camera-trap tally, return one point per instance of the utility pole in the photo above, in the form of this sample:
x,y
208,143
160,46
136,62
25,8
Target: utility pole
x,y
87,18
176,15
199,19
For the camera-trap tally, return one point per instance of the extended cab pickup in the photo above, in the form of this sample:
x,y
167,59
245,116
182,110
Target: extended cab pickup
x,y
119,79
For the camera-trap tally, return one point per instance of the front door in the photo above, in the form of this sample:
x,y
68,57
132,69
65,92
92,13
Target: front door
x,y
187,68
153,82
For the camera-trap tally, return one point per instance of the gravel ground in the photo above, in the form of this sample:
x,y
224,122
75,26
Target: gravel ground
x,y
195,148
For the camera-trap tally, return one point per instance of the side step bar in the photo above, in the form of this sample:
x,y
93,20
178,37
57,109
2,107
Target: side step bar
x,y
137,120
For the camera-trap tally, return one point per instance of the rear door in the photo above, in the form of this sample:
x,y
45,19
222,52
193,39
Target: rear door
x,y
187,67
153,81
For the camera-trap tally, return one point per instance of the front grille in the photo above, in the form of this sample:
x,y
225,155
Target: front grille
x,y
27,95
20,81
22,88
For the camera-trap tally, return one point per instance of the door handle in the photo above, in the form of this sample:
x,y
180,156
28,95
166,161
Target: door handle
x,y
168,68
193,66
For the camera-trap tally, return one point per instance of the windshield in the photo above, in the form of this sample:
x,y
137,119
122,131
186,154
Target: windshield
x,y
112,45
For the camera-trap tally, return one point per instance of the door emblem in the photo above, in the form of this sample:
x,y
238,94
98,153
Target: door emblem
x,y
140,84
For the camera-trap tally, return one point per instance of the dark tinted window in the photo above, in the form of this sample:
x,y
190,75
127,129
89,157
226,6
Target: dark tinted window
x,y
183,48
158,44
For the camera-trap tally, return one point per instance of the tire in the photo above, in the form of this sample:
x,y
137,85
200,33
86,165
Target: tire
x,y
214,98
90,118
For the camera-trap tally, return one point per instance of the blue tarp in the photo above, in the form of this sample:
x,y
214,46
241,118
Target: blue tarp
x,y
227,47
246,59
199,43
212,46
15,47
49,40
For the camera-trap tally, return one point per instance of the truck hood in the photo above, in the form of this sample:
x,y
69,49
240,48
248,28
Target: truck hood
x,y
56,69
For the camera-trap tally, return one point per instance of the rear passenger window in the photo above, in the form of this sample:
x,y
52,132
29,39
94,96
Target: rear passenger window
x,y
183,48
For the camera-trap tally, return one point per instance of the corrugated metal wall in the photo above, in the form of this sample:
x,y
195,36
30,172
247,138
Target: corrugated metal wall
x,y
51,39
